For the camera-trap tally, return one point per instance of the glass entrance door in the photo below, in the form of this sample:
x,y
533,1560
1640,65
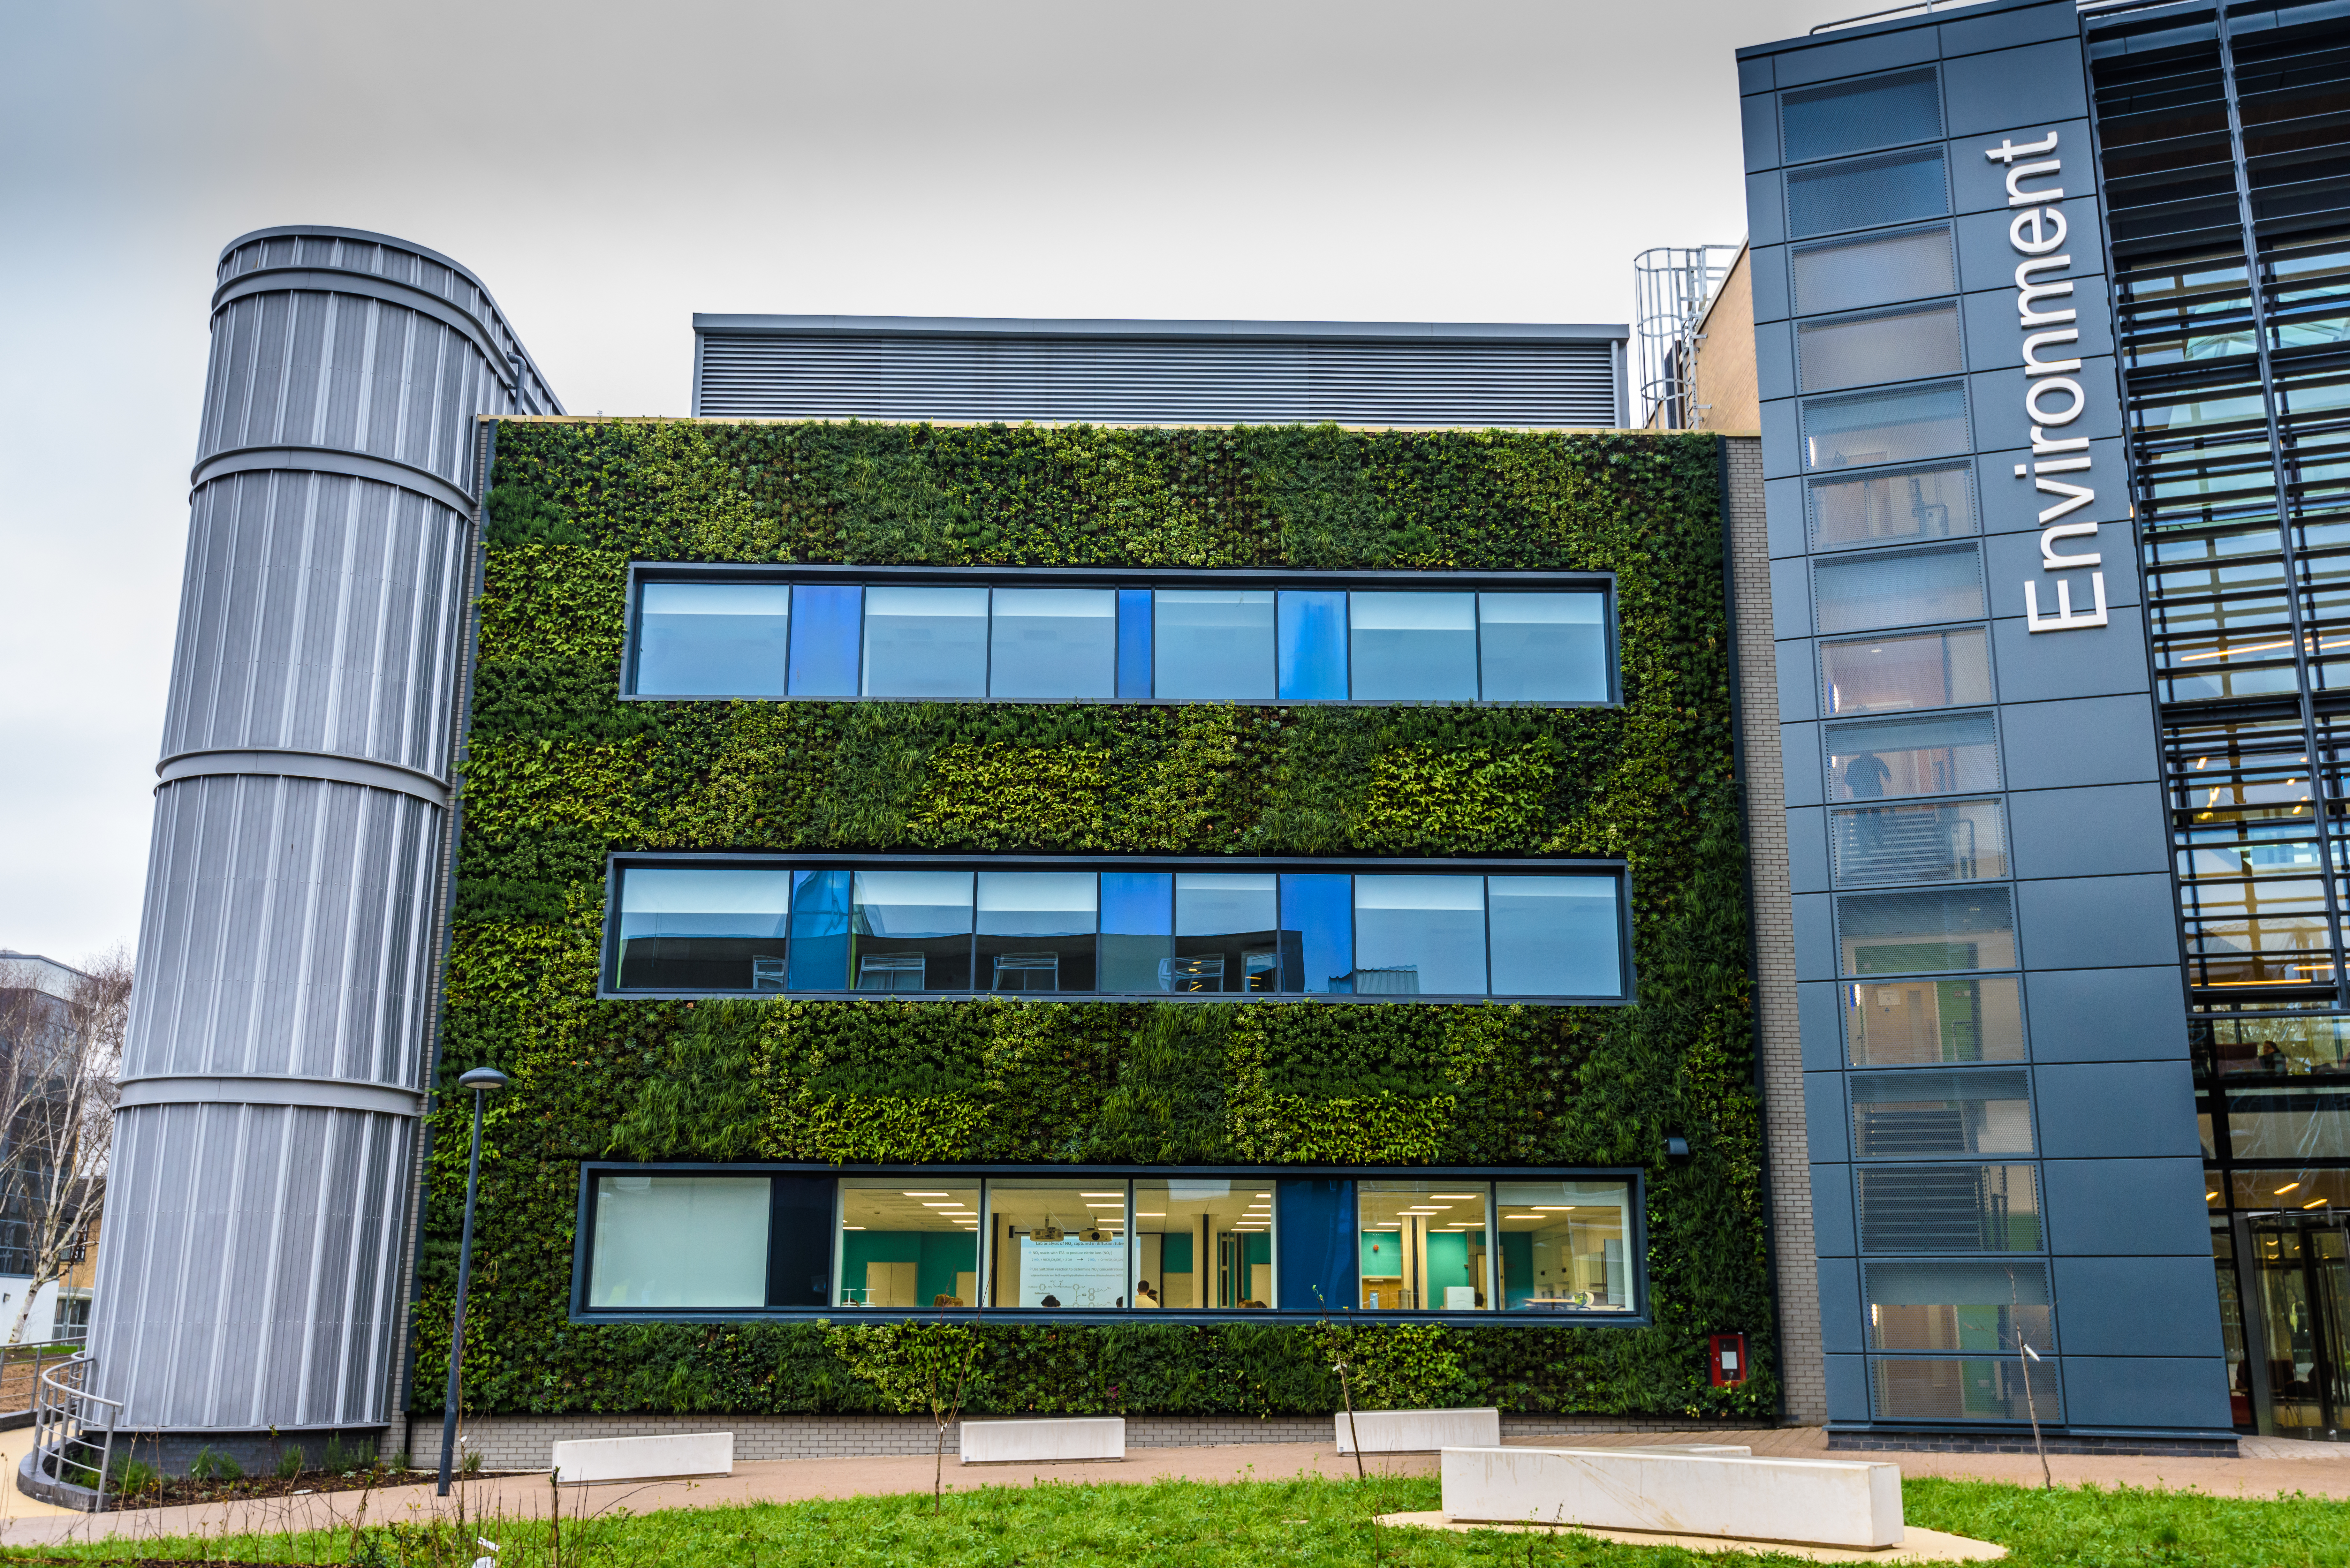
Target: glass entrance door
x,y
2303,1269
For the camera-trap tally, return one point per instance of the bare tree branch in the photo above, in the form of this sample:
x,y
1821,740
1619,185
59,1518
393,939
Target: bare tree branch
x,y
60,1057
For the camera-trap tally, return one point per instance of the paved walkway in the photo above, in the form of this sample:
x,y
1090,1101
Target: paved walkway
x,y
2267,1466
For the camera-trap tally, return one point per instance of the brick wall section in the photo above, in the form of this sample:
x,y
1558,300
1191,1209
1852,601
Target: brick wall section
x,y
527,1442
1790,1176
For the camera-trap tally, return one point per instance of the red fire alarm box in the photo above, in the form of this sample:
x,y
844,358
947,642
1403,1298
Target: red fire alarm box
x,y
1727,1354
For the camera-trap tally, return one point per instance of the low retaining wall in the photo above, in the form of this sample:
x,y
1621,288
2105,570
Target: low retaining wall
x,y
527,1442
2013,1442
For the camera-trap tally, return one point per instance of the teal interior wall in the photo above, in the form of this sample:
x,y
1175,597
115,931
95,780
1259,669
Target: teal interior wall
x,y
1518,1266
944,1254
1175,1252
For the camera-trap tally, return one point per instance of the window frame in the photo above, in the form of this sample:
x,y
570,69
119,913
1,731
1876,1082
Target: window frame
x,y
1603,583
1925,67
1640,1316
619,861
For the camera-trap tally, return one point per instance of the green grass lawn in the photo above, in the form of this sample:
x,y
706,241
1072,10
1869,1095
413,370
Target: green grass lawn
x,y
1256,1524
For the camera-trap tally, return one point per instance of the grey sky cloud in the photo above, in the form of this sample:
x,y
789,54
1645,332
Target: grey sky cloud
x,y
609,169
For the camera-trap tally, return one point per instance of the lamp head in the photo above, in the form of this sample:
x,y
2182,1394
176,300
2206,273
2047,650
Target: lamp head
x,y
482,1078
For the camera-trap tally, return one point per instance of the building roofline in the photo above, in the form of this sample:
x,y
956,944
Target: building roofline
x,y
1900,23
1005,326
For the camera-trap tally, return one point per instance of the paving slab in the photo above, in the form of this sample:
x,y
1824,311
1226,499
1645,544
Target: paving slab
x,y
2257,1474
1917,1544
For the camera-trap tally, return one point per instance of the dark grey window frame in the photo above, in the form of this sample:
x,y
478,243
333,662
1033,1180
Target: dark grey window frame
x,y
1816,480
1948,227
1603,583
1636,1244
1973,545
608,952
1803,402
1872,313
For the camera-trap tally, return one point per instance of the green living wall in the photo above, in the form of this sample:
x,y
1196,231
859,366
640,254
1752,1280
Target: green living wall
x,y
560,771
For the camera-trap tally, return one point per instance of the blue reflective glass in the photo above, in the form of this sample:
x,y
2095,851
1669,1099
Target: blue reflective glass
x,y
1860,193
1312,645
825,635
1226,932
1554,936
1855,116
910,930
1415,648
712,639
819,930
1213,644
702,929
1420,936
1543,647
1036,931
1138,929
926,642
1133,645
1052,644
1317,933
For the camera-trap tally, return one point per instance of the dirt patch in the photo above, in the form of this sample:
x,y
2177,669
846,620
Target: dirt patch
x,y
173,1492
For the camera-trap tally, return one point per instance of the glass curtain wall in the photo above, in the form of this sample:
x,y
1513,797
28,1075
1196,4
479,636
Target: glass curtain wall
x,y
2227,167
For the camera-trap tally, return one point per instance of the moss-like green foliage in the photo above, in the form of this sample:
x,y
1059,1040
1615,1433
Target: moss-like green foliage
x,y
560,771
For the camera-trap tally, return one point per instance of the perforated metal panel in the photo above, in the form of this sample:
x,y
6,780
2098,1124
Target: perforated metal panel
x,y
1160,372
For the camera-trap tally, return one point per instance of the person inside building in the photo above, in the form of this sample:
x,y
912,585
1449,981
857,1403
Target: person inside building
x,y
1144,1296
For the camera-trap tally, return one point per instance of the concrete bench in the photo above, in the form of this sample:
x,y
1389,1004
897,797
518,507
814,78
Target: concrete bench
x,y
1418,1432
645,1458
1044,1441
1811,1502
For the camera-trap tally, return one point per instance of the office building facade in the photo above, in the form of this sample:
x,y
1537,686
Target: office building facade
x,y
2048,308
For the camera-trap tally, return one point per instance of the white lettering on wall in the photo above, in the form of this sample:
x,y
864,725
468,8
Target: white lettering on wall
x,y
2052,397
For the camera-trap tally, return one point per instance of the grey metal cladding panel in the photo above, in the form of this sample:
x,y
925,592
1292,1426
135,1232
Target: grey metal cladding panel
x,y
1791,599
2035,85
2137,1306
1568,384
1783,440
246,1281
1754,74
2097,922
314,369
1799,752
1979,183
1831,1226
2011,560
1988,258
1853,57
1774,358
1994,341
2013,505
1799,695
2093,831
1767,269
318,613
2086,661
2117,1110
2001,421
1840,1319
1827,1133
286,931
2127,1207
2148,1391
1819,1008
1848,1387
1807,849
1761,128
1783,501
1766,211
2107,1014
2010,26
1815,948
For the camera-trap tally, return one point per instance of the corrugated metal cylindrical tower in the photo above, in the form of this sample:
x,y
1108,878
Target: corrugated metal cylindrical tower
x,y
265,1155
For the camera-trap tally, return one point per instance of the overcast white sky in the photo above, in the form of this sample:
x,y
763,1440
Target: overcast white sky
x,y
609,169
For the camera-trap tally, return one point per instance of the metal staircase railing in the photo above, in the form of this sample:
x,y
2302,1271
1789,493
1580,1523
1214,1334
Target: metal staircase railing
x,y
73,1429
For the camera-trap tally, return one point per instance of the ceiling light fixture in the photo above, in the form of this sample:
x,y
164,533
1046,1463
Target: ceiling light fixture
x,y
2288,1186
926,1195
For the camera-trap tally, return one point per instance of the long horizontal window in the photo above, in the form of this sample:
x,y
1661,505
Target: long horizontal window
x,y
1519,930
1247,642
735,1242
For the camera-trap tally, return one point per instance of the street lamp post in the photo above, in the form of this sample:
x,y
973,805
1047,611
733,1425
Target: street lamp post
x,y
482,1081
